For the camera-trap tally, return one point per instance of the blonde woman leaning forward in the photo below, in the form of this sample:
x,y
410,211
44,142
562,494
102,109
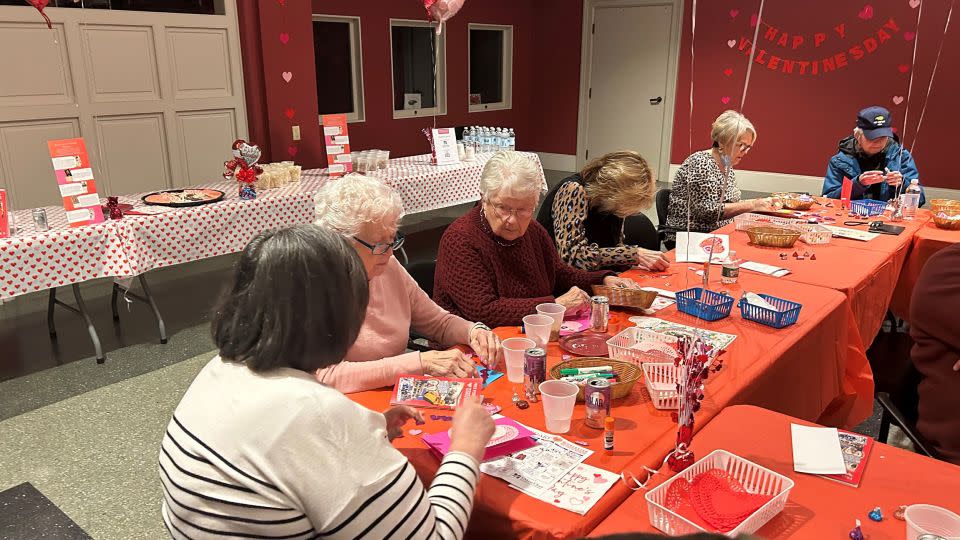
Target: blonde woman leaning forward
x,y
707,183
367,212
586,212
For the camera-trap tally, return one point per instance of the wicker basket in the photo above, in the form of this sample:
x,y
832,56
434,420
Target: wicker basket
x,y
624,297
773,237
948,218
793,202
623,346
627,374
755,479
936,205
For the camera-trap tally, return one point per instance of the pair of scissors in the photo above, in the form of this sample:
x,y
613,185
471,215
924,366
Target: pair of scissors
x,y
855,223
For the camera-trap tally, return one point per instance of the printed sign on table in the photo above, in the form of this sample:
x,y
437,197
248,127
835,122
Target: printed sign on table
x,y
337,144
445,146
75,178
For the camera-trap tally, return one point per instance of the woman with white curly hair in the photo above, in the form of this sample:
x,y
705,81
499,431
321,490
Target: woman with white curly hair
x,y
367,212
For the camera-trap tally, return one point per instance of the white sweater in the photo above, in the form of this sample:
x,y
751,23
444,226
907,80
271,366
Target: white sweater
x,y
279,455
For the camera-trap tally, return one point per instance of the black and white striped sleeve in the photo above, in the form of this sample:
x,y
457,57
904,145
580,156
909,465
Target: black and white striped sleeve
x,y
399,506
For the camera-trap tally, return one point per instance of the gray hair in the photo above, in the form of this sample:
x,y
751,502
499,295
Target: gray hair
x,y
512,173
344,205
728,127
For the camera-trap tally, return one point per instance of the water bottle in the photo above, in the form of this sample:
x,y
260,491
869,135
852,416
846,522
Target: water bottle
x,y
487,140
511,140
730,271
501,139
911,199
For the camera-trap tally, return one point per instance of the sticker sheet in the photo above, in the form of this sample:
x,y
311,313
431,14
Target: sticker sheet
x,y
536,469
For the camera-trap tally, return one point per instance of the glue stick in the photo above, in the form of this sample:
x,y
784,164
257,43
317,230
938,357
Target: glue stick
x,y
608,433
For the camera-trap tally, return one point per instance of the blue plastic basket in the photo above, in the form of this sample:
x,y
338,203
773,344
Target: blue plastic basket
x,y
706,305
786,313
867,207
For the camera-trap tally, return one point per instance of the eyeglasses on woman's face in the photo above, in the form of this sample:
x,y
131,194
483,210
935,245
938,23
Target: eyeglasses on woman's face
x,y
381,248
504,211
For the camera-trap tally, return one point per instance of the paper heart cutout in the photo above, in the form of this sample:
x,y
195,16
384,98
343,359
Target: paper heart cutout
x,y
903,68
897,100
725,100
287,76
734,13
292,150
753,20
731,43
909,35
866,12
728,72
914,3
284,38
282,2
289,112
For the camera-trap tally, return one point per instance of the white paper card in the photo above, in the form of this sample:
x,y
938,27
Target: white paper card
x,y
816,450
579,489
755,299
65,162
337,169
445,146
696,247
76,216
660,292
535,469
342,158
88,200
341,139
852,234
80,175
70,190
331,130
334,149
767,269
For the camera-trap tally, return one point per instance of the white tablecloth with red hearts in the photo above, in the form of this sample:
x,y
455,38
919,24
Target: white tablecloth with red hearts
x,y
34,261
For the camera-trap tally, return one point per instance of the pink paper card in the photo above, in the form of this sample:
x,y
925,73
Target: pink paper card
x,y
509,437
846,190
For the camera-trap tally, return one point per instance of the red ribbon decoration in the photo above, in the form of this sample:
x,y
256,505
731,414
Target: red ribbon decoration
x,y
247,175
40,4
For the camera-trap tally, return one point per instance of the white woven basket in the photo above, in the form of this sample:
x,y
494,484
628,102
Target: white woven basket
x,y
815,234
755,479
661,382
623,346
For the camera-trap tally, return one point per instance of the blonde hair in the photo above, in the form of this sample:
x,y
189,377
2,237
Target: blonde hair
x,y
727,129
620,183
344,205
513,173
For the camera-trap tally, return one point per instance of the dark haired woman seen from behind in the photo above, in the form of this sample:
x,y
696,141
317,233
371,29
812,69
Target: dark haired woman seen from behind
x,y
257,448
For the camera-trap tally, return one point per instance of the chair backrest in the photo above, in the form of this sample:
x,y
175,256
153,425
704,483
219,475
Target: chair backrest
x,y
638,230
663,202
422,272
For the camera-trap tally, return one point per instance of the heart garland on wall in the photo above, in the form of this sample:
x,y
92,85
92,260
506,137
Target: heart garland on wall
x,y
289,112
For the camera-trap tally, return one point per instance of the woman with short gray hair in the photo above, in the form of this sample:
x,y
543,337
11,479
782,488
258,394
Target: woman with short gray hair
x,y
495,263
367,212
705,186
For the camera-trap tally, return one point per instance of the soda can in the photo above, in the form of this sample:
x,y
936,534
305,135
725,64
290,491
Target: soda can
x,y
597,394
534,371
40,219
599,313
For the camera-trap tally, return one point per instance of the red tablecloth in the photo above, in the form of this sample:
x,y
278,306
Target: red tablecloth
x,y
866,276
817,508
812,369
928,240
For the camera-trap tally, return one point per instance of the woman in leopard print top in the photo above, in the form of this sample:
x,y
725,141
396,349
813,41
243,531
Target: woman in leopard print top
x,y
707,183
585,214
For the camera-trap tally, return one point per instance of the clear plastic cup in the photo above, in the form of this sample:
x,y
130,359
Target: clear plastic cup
x,y
537,328
559,398
514,350
555,312
928,519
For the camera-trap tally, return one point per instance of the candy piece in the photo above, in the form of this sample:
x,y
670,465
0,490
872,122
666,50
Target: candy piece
x,y
415,432
441,417
813,257
491,408
856,533
898,513
522,404
876,514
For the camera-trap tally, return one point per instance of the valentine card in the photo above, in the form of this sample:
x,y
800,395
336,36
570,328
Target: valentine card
x,y
702,247
433,392
579,489
508,437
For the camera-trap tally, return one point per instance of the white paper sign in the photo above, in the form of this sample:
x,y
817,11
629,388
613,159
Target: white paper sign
x,y
816,450
852,234
767,269
579,489
445,146
696,247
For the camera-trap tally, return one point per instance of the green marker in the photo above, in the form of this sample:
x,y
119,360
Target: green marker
x,y
587,377
585,370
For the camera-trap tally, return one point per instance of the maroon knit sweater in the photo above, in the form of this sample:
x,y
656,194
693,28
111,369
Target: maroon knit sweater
x,y
481,280
936,333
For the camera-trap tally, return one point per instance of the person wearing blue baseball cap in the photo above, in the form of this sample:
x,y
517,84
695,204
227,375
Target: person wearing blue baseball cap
x,y
873,159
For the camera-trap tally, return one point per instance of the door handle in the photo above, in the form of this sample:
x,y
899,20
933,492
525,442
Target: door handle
x,y
656,101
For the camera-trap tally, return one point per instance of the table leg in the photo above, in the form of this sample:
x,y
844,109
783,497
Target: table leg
x,y
113,302
147,298
50,308
82,310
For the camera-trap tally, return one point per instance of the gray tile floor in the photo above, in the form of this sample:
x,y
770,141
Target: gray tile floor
x,y
86,435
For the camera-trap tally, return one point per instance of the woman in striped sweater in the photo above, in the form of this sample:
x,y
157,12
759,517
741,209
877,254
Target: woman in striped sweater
x,y
257,448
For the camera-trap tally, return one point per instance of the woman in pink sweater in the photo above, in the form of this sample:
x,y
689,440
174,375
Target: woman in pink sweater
x,y
367,212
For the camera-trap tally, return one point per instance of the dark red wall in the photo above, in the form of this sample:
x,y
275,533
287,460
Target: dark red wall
x,y
800,118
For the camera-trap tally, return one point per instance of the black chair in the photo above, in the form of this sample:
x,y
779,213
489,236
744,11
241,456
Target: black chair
x,y
422,272
638,230
663,204
890,414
